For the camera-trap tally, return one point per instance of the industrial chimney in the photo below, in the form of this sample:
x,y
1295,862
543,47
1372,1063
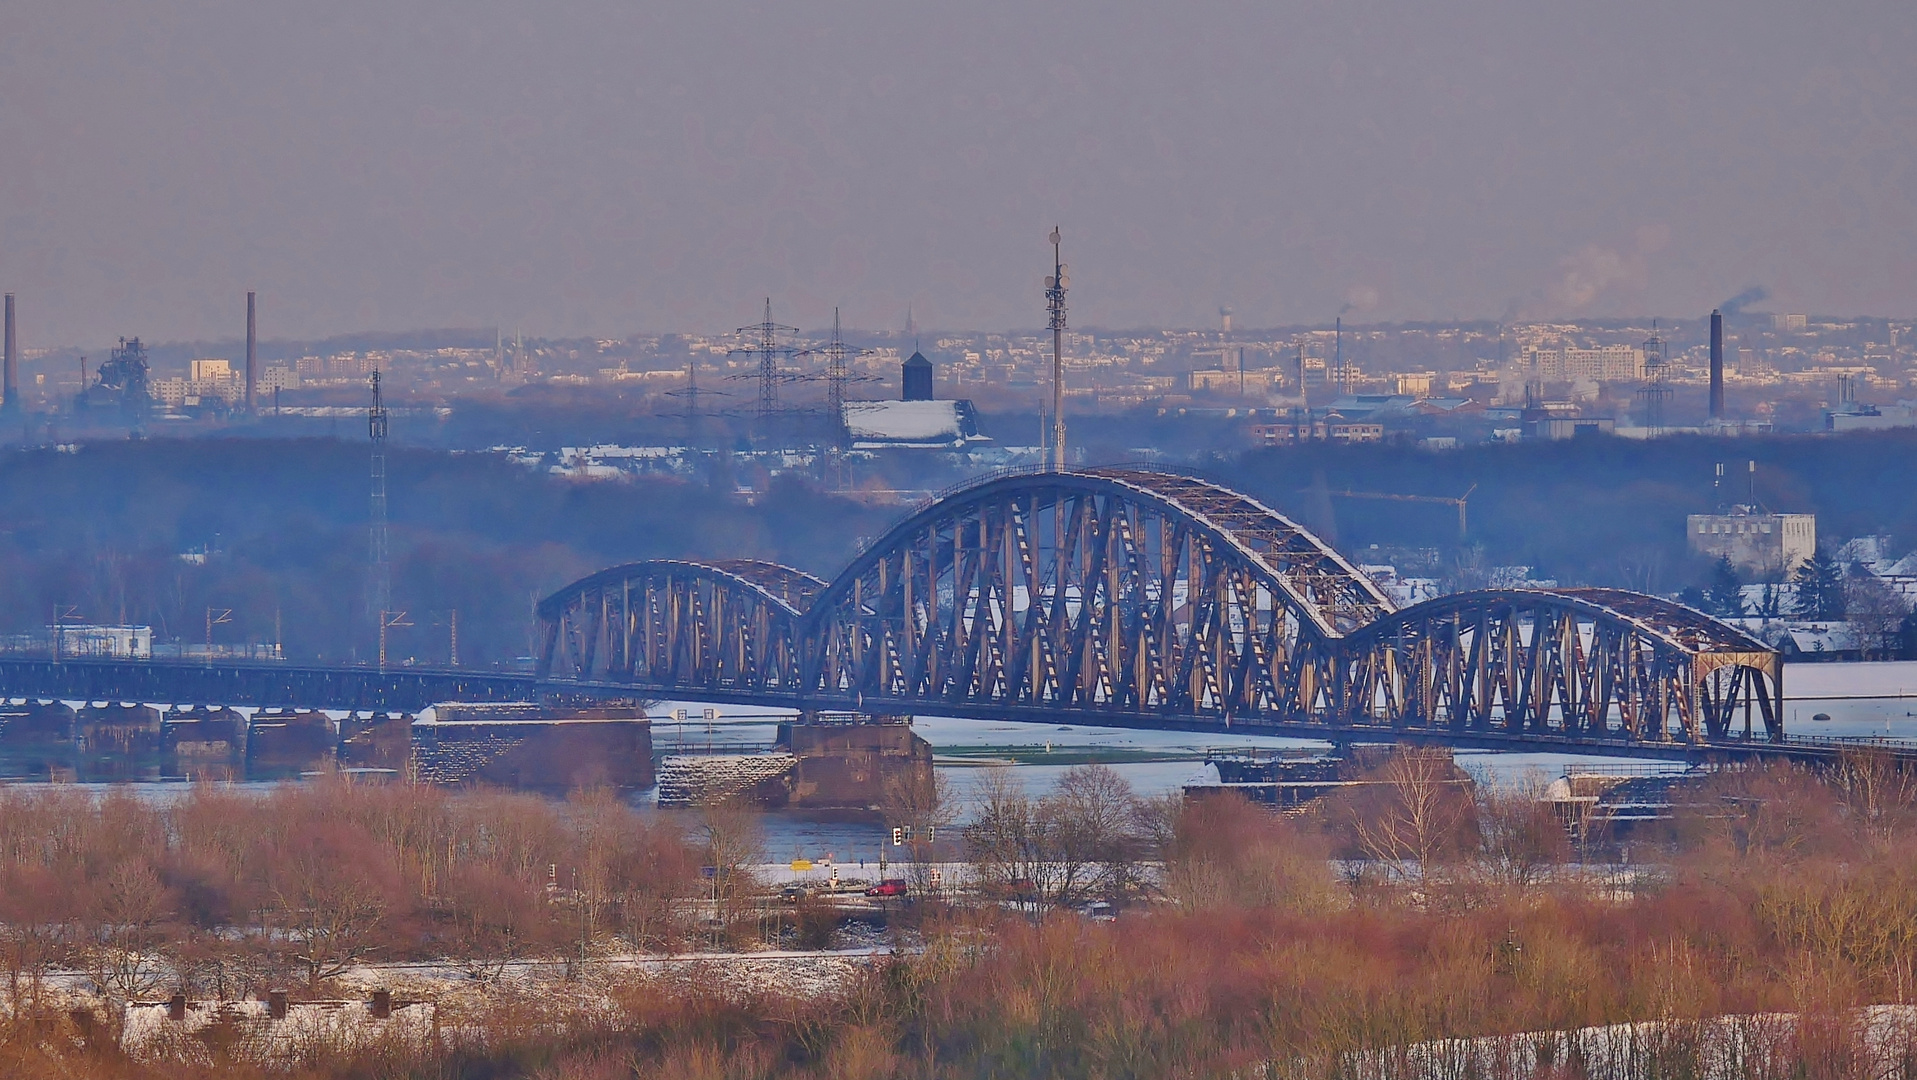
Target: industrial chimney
x,y
1717,365
252,371
9,381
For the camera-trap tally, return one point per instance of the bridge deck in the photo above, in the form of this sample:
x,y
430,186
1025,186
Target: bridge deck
x,y
368,689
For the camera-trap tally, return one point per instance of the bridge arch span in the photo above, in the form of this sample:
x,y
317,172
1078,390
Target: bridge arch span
x,y
721,627
1100,588
1146,599
1575,663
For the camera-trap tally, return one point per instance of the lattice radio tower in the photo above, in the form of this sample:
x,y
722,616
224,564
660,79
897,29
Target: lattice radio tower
x,y
771,343
1055,286
382,598
1655,391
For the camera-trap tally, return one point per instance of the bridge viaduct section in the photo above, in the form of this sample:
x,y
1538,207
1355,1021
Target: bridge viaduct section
x,y
259,684
1150,599
1117,597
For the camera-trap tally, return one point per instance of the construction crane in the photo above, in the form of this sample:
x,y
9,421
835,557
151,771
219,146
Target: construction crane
x,y
1445,500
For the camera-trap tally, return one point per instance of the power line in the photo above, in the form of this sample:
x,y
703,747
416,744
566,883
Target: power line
x,y
837,374
771,343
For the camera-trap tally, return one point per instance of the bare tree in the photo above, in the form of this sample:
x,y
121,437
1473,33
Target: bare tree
x,y
1880,793
1095,822
1080,842
732,841
1520,838
1222,851
329,906
120,922
921,804
1875,610
1005,841
499,919
1416,812
36,924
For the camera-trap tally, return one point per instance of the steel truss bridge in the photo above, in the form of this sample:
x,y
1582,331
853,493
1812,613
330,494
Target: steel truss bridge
x,y
1115,597
1133,598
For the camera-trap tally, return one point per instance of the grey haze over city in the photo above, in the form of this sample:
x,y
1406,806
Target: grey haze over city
x,y
601,167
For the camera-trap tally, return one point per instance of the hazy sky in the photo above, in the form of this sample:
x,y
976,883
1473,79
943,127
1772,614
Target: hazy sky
x,y
607,166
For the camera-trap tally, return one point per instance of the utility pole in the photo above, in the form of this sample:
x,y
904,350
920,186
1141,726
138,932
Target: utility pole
x,y
388,620
215,617
1055,286
454,661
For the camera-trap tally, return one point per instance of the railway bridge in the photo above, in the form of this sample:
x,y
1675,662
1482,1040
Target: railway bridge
x,y
1136,598
1107,596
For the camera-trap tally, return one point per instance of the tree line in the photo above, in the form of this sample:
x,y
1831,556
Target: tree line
x,y
1415,909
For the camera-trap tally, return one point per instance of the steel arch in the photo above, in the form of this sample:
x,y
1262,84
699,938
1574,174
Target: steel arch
x,y
1590,663
719,627
1104,588
1153,598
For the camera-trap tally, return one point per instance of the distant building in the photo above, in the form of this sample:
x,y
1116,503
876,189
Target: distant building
x,y
210,369
1318,426
207,378
1340,430
1232,381
1416,383
104,642
916,378
1570,427
172,392
1315,374
1611,363
941,425
1849,414
1763,543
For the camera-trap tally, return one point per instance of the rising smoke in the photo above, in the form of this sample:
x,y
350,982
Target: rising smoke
x,y
1736,304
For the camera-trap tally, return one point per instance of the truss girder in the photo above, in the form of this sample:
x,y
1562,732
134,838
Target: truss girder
x,y
725,626
1570,663
1103,589
1143,594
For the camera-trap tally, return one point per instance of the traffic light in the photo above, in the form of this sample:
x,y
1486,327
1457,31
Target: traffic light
x,y
898,836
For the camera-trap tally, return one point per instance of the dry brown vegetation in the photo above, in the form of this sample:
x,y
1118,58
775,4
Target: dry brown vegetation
x,y
1782,895
222,894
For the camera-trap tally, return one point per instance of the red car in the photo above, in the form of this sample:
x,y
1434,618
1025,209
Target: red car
x,y
888,887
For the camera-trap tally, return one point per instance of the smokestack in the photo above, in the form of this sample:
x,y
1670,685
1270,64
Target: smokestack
x,y
9,382
252,372
1717,365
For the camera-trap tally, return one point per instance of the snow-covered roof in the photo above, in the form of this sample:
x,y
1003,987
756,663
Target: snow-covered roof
x,y
910,422
1801,635
1871,551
